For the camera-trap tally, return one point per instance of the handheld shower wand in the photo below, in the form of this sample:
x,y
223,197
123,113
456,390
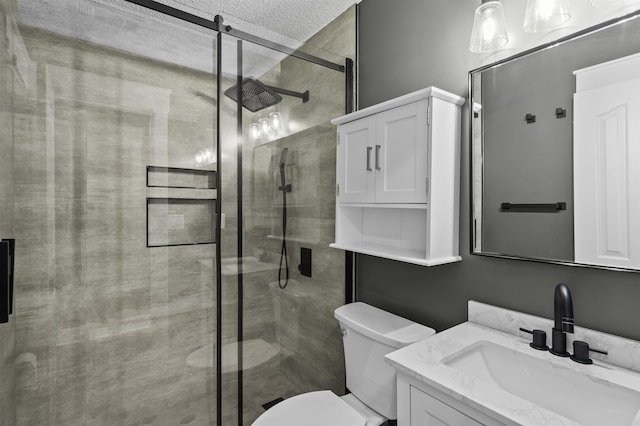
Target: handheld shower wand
x,y
284,187
283,162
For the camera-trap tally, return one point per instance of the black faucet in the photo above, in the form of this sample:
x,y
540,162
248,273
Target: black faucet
x,y
563,320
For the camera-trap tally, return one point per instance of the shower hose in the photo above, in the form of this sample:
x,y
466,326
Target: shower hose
x,y
283,250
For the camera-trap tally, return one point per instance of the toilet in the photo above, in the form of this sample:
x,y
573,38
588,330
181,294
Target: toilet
x,y
368,334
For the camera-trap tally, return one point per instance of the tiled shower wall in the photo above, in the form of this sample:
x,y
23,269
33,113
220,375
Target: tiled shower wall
x,y
105,324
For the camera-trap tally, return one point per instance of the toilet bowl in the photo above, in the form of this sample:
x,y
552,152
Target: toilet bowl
x,y
368,334
320,408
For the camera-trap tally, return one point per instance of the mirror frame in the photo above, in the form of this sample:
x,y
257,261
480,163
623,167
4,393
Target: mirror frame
x,y
595,28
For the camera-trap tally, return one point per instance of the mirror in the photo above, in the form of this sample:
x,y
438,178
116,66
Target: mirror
x,y
555,137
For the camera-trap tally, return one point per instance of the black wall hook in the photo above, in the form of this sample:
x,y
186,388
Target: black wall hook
x,y
530,118
561,113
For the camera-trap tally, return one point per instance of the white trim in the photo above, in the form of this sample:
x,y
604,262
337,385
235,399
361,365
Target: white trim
x,y
419,95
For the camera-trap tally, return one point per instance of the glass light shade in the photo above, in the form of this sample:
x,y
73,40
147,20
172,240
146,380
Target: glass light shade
x,y
545,15
489,31
276,121
265,128
605,3
254,131
205,157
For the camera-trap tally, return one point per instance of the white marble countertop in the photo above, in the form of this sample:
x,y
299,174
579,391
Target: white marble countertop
x,y
424,361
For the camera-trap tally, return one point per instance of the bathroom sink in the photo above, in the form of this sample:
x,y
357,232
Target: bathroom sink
x,y
569,393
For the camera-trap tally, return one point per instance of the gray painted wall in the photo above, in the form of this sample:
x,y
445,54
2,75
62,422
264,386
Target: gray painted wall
x,y
406,45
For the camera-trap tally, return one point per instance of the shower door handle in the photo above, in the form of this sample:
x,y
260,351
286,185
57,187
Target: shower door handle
x,y
12,269
369,158
378,157
4,281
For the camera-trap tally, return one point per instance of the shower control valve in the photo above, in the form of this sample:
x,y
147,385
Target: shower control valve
x,y
286,188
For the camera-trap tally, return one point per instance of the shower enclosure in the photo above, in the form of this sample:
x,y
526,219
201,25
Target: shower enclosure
x,y
145,158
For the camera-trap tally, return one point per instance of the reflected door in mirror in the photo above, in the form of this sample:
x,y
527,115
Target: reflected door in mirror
x,y
606,155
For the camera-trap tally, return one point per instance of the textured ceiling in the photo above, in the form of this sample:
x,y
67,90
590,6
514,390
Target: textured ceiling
x,y
295,19
124,26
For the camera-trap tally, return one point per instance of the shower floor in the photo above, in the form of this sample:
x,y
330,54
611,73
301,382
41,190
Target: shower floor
x,y
255,352
263,382
202,412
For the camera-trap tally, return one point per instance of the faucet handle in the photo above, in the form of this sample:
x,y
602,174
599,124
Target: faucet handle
x,y
539,339
581,352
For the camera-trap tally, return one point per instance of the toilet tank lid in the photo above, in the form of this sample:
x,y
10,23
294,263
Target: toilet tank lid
x,y
381,326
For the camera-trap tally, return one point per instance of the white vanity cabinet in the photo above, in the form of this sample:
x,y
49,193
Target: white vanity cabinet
x,y
421,405
398,178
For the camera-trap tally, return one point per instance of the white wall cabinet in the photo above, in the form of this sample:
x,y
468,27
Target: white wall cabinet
x,y
398,178
380,157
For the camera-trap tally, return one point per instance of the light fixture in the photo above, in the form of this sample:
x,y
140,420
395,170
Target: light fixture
x,y
205,157
254,131
267,128
489,31
545,15
276,122
605,3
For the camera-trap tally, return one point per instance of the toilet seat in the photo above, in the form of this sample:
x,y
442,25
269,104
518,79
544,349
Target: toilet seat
x,y
319,408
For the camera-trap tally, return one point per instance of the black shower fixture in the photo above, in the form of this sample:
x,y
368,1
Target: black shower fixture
x,y
257,96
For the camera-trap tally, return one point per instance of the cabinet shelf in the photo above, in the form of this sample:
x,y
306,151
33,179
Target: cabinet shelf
x,y
423,206
394,253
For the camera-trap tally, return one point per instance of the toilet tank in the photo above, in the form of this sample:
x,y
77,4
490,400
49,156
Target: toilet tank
x,y
368,334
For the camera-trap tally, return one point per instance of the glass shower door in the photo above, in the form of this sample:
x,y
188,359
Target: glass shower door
x,y
113,207
7,230
280,280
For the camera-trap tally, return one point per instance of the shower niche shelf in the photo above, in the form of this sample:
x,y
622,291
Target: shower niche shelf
x,y
180,221
397,175
175,177
181,206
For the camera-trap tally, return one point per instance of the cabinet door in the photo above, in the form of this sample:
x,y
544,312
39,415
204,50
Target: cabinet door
x,y
400,154
428,411
355,162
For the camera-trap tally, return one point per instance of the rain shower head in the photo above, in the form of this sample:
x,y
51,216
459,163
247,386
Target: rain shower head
x,y
255,95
